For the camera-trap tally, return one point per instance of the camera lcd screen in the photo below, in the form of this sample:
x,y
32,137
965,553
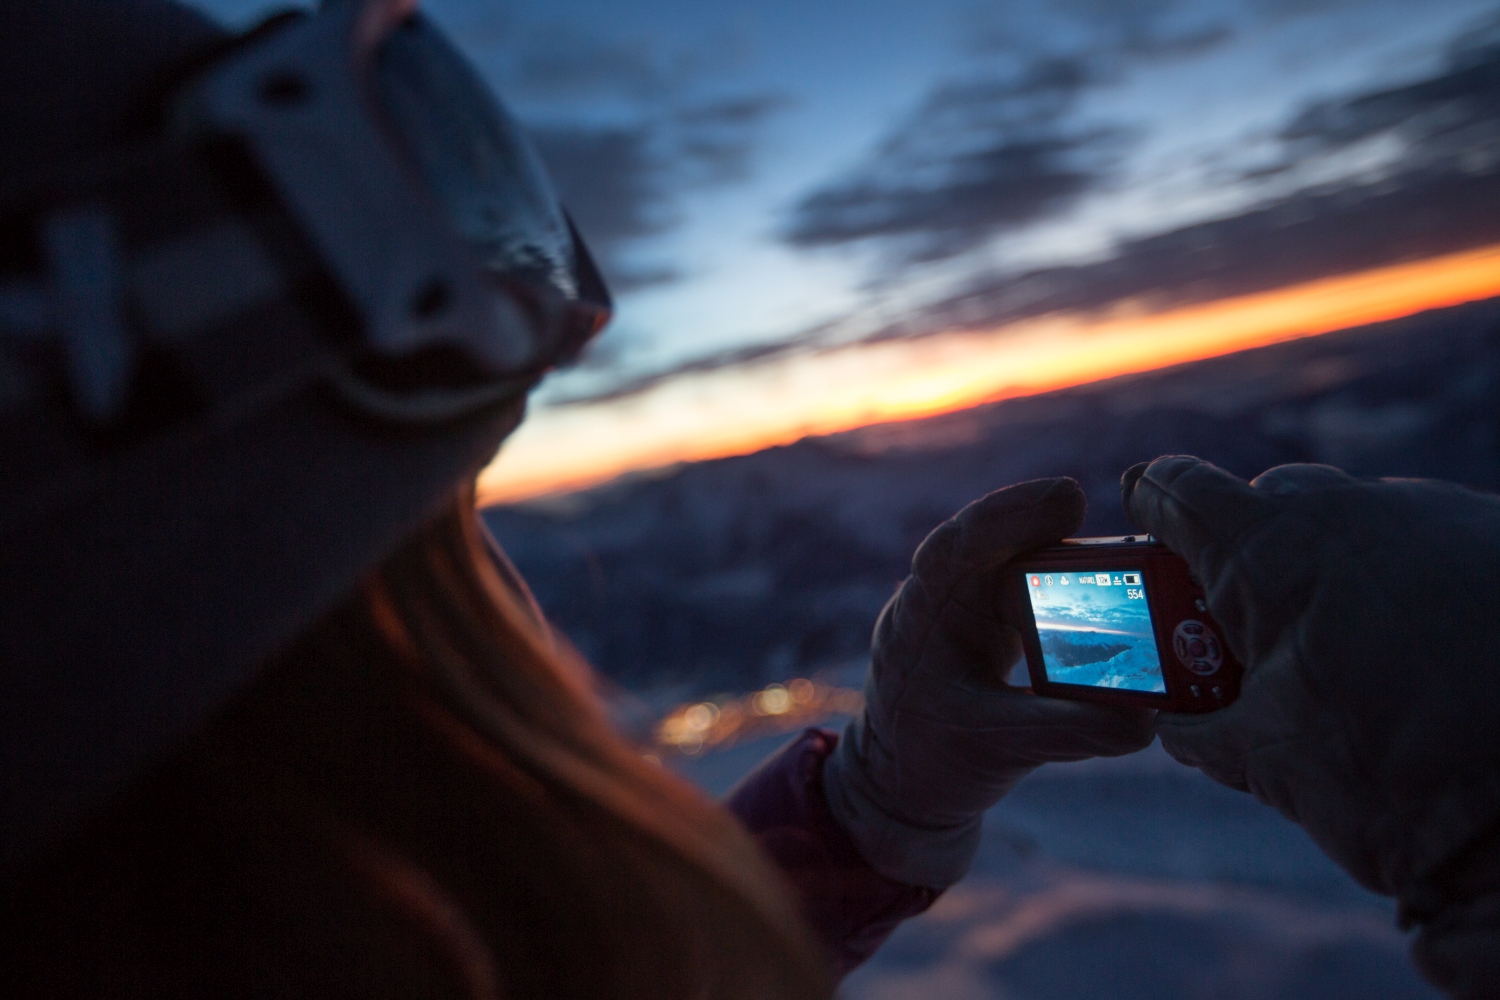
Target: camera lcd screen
x,y
1095,628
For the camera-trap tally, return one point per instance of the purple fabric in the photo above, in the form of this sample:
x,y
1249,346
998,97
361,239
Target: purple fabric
x,y
851,906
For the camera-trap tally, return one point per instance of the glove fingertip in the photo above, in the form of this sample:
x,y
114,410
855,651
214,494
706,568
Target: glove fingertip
x,y
1148,481
1193,742
994,528
1059,498
1176,748
1195,508
1287,480
1131,476
1113,730
1063,505
1135,728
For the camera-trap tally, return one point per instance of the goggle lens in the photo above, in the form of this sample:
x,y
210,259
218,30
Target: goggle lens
x,y
487,178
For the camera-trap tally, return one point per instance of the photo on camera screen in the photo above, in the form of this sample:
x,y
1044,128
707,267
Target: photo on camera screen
x,y
1095,629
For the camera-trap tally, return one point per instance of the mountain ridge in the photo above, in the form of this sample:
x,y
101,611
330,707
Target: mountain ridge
x,y
730,573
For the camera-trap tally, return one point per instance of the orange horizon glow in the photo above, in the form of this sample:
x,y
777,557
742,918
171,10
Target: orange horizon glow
x,y
736,411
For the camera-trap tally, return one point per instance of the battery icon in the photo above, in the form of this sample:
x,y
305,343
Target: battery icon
x,y
1132,579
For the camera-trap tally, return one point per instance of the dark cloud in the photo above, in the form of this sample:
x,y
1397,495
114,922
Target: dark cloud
x,y
1144,29
572,61
1310,235
1302,238
713,362
696,366
1109,34
805,341
560,63
626,125
1442,196
1004,148
715,140
612,180
742,111
606,175
1288,9
620,182
1454,112
974,158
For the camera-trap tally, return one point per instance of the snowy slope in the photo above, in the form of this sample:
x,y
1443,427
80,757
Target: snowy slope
x,y
1134,878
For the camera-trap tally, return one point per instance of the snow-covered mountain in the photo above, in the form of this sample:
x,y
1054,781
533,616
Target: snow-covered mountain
x,y
727,574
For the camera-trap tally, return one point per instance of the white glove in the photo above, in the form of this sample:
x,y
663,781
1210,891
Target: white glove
x,y
942,736
1367,615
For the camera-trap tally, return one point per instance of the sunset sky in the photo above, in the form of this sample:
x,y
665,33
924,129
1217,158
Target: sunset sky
x,y
820,214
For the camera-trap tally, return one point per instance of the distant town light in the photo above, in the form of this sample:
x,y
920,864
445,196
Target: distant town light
x,y
774,700
694,727
699,717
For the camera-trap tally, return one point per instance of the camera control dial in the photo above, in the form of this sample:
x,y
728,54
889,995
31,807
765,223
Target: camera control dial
x,y
1197,647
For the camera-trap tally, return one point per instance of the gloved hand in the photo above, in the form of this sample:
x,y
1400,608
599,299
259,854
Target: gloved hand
x,y
942,736
1367,615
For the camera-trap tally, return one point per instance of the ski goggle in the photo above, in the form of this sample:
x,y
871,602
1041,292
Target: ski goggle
x,y
403,179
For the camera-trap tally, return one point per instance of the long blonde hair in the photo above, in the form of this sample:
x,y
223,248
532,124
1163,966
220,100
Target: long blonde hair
x,y
421,796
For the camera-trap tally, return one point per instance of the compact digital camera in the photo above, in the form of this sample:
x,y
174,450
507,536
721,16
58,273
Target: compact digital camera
x,y
1119,621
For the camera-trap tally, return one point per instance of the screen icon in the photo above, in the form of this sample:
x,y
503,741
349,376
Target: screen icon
x,y
1036,581
1132,579
1063,581
1085,579
1102,579
1047,580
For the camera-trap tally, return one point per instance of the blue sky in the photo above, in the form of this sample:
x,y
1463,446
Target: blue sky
x,y
1083,605
768,180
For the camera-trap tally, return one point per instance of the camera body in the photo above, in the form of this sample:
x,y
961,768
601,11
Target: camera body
x,y
1119,621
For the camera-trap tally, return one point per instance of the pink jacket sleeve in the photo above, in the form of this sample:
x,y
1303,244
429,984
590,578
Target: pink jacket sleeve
x,y
850,906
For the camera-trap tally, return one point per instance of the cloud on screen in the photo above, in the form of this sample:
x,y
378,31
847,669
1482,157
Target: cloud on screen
x,y
1089,606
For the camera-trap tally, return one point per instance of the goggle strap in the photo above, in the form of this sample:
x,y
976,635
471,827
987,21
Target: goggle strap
x,y
204,290
83,262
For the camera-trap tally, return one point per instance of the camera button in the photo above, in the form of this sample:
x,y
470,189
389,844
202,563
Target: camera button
x,y
1197,647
